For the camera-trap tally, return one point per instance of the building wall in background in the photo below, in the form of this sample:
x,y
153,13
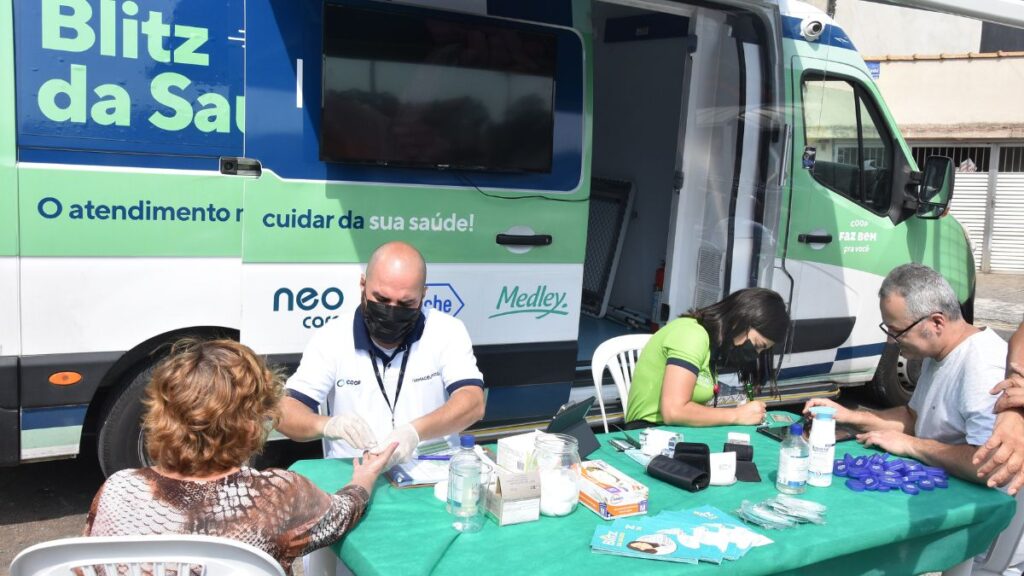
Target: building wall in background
x,y
955,99
877,29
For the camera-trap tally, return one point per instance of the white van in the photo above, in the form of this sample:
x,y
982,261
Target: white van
x,y
571,170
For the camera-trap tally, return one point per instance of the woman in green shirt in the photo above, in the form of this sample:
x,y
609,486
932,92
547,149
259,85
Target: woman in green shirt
x,y
677,372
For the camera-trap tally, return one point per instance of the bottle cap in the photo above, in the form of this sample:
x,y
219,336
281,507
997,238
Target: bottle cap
x,y
870,483
824,412
467,440
940,482
796,429
890,481
855,485
883,487
926,484
910,489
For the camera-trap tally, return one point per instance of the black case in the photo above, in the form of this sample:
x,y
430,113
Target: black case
x,y
678,473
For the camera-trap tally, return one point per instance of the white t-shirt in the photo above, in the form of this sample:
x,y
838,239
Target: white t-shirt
x,y
951,400
336,368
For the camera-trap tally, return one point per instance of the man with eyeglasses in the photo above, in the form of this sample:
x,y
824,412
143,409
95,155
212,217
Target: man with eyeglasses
x,y
950,413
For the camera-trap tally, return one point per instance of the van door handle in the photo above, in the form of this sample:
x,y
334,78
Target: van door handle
x,y
523,239
814,238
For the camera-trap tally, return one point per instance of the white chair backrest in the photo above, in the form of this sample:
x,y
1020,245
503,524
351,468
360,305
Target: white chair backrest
x,y
618,355
1005,545
181,555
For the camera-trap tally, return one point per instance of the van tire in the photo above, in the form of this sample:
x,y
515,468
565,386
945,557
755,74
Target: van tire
x,y
120,444
895,378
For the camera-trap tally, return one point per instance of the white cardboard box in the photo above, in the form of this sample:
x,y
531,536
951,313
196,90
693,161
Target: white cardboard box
x,y
515,453
609,493
514,497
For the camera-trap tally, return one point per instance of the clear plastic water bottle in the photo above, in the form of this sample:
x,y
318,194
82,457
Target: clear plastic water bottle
x,y
465,494
794,458
823,446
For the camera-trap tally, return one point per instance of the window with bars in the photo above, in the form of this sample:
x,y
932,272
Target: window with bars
x,y
965,158
975,158
1011,159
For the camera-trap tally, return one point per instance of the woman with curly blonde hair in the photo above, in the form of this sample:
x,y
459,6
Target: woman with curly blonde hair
x,y
210,406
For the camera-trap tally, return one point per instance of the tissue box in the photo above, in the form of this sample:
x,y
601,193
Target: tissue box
x,y
513,497
515,453
610,493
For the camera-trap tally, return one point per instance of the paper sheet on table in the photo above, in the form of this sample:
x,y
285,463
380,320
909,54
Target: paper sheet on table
x,y
414,472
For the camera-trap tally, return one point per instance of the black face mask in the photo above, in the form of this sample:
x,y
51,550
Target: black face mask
x,y
742,356
388,324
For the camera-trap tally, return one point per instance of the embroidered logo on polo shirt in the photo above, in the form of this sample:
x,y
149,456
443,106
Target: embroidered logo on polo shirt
x,y
427,377
342,382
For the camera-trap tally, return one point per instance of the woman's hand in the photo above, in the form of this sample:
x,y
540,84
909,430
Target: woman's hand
x,y
751,413
365,470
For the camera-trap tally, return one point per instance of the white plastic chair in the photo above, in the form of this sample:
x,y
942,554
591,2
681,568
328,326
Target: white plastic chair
x,y
618,355
173,554
1000,553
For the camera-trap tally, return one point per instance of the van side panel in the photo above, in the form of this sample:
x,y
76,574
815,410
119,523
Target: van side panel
x,y
10,338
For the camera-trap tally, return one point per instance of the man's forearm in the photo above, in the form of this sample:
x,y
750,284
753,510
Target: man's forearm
x,y
953,458
899,419
462,410
1015,350
298,422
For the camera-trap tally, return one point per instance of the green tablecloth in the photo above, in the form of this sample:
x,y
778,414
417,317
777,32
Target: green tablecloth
x,y
407,531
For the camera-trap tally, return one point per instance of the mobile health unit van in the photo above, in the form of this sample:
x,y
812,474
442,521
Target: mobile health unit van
x,y
179,167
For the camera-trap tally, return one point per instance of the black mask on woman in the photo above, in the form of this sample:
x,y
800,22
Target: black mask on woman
x,y
388,324
742,356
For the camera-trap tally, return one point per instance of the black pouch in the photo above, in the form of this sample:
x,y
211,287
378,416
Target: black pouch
x,y
695,454
678,473
746,470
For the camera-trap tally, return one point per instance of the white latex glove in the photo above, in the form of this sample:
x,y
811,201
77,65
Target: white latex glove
x,y
352,429
407,439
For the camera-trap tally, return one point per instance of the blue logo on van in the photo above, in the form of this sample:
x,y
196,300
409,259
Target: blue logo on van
x,y
443,298
307,299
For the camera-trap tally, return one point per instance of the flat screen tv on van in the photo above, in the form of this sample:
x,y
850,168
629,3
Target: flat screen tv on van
x,y
436,90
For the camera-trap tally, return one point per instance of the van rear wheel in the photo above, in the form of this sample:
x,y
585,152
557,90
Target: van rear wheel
x,y
895,378
121,443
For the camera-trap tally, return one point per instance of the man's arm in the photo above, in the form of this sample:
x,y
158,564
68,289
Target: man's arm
x,y
1002,456
464,408
899,419
954,458
298,422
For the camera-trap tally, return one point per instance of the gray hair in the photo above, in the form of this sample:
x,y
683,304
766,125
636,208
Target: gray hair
x,y
924,290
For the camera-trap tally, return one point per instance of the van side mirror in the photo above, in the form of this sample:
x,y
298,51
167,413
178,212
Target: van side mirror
x,y
936,189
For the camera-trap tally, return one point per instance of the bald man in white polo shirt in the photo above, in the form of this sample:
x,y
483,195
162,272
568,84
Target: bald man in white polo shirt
x,y
388,371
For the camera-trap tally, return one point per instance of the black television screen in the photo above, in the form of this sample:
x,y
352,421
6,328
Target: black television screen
x,y
442,91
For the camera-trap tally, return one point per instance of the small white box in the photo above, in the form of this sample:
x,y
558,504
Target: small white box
x,y
609,493
514,497
515,453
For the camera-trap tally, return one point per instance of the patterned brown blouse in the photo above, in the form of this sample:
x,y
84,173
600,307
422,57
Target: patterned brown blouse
x,y
277,511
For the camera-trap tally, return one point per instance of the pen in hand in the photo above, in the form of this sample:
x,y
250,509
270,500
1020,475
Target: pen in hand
x,y
434,457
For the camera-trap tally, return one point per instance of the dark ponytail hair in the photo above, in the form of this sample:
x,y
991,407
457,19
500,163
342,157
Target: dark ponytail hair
x,y
758,308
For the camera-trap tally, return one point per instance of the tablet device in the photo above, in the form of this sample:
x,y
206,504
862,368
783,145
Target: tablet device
x,y
779,433
571,419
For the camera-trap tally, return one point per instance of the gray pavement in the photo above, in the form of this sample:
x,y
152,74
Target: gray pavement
x,y
999,302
